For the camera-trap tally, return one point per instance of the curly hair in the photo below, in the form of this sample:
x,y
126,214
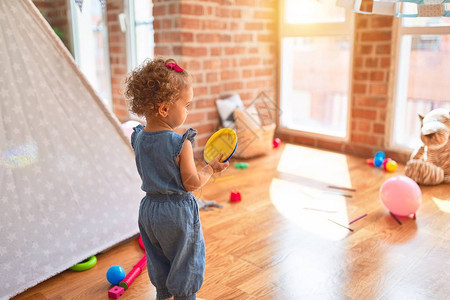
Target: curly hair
x,y
152,83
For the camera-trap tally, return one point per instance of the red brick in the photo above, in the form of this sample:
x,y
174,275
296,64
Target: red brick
x,y
207,37
254,26
360,75
244,37
383,49
249,61
363,49
205,103
200,91
191,9
186,37
376,36
266,38
359,88
363,126
377,76
235,85
381,21
378,89
229,74
195,117
371,62
214,25
364,139
194,51
212,77
378,128
223,12
364,114
190,23
216,51
370,101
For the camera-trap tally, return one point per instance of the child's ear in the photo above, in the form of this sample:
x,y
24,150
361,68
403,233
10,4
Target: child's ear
x,y
163,109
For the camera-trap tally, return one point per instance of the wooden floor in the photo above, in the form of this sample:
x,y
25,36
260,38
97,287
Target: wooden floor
x,y
279,244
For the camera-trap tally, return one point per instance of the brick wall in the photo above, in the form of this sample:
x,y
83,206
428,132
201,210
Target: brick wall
x,y
55,12
229,46
117,58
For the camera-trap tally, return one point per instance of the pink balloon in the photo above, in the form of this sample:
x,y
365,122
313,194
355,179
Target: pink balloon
x,y
401,195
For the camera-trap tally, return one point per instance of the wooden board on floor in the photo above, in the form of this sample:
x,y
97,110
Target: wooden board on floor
x,y
277,243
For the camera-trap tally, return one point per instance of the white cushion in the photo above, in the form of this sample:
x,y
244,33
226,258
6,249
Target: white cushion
x,y
226,108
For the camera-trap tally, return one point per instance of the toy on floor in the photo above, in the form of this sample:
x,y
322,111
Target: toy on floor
x,y
241,165
430,164
115,274
85,265
133,274
118,290
276,142
235,196
401,195
380,160
223,142
357,219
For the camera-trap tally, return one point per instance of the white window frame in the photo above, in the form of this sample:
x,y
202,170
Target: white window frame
x,y
131,34
76,49
401,73
285,29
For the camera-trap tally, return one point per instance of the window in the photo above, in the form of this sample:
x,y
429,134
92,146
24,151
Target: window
x,y
90,42
316,48
140,35
422,79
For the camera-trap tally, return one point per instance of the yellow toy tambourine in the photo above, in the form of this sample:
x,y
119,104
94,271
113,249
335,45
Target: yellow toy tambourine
x,y
223,142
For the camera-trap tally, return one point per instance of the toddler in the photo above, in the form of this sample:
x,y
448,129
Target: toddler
x,y
169,223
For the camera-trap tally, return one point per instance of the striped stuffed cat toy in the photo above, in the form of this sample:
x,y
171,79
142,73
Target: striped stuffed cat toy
x,y
430,164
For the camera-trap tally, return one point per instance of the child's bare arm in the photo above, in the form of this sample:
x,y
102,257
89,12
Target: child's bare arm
x,y
191,178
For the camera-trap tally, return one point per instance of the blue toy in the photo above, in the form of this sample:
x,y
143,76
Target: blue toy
x,y
379,158
115,274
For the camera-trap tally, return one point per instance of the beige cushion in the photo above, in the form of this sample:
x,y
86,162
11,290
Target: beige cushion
x,y
253,139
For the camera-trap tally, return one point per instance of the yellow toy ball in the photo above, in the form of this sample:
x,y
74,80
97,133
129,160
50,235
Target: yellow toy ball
x,y
223,142
391,166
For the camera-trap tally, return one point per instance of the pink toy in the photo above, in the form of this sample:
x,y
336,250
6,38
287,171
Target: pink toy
x,y
115,292
131,276
141,244
118,290
401,195
276,142
235,196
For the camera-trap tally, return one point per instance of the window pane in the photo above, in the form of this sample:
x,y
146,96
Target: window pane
x,y
313,11
423,83
143,30
91,47
411,8
314,84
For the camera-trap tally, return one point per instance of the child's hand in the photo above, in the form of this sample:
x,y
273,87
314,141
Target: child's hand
x,y
217,166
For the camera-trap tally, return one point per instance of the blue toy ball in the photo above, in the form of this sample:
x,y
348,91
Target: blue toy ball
x,y
381,154
379,158
378,161
115,274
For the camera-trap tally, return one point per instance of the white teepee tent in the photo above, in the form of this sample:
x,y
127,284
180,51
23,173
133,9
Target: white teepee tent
x,y
68,183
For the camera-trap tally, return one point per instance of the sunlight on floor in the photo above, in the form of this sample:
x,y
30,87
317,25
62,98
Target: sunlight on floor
x,y
443,205
327,167
299,192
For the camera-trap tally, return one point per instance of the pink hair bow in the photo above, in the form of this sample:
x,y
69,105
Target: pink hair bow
x,y
174,67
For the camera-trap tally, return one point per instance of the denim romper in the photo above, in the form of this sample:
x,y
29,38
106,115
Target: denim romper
x,y
168,215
